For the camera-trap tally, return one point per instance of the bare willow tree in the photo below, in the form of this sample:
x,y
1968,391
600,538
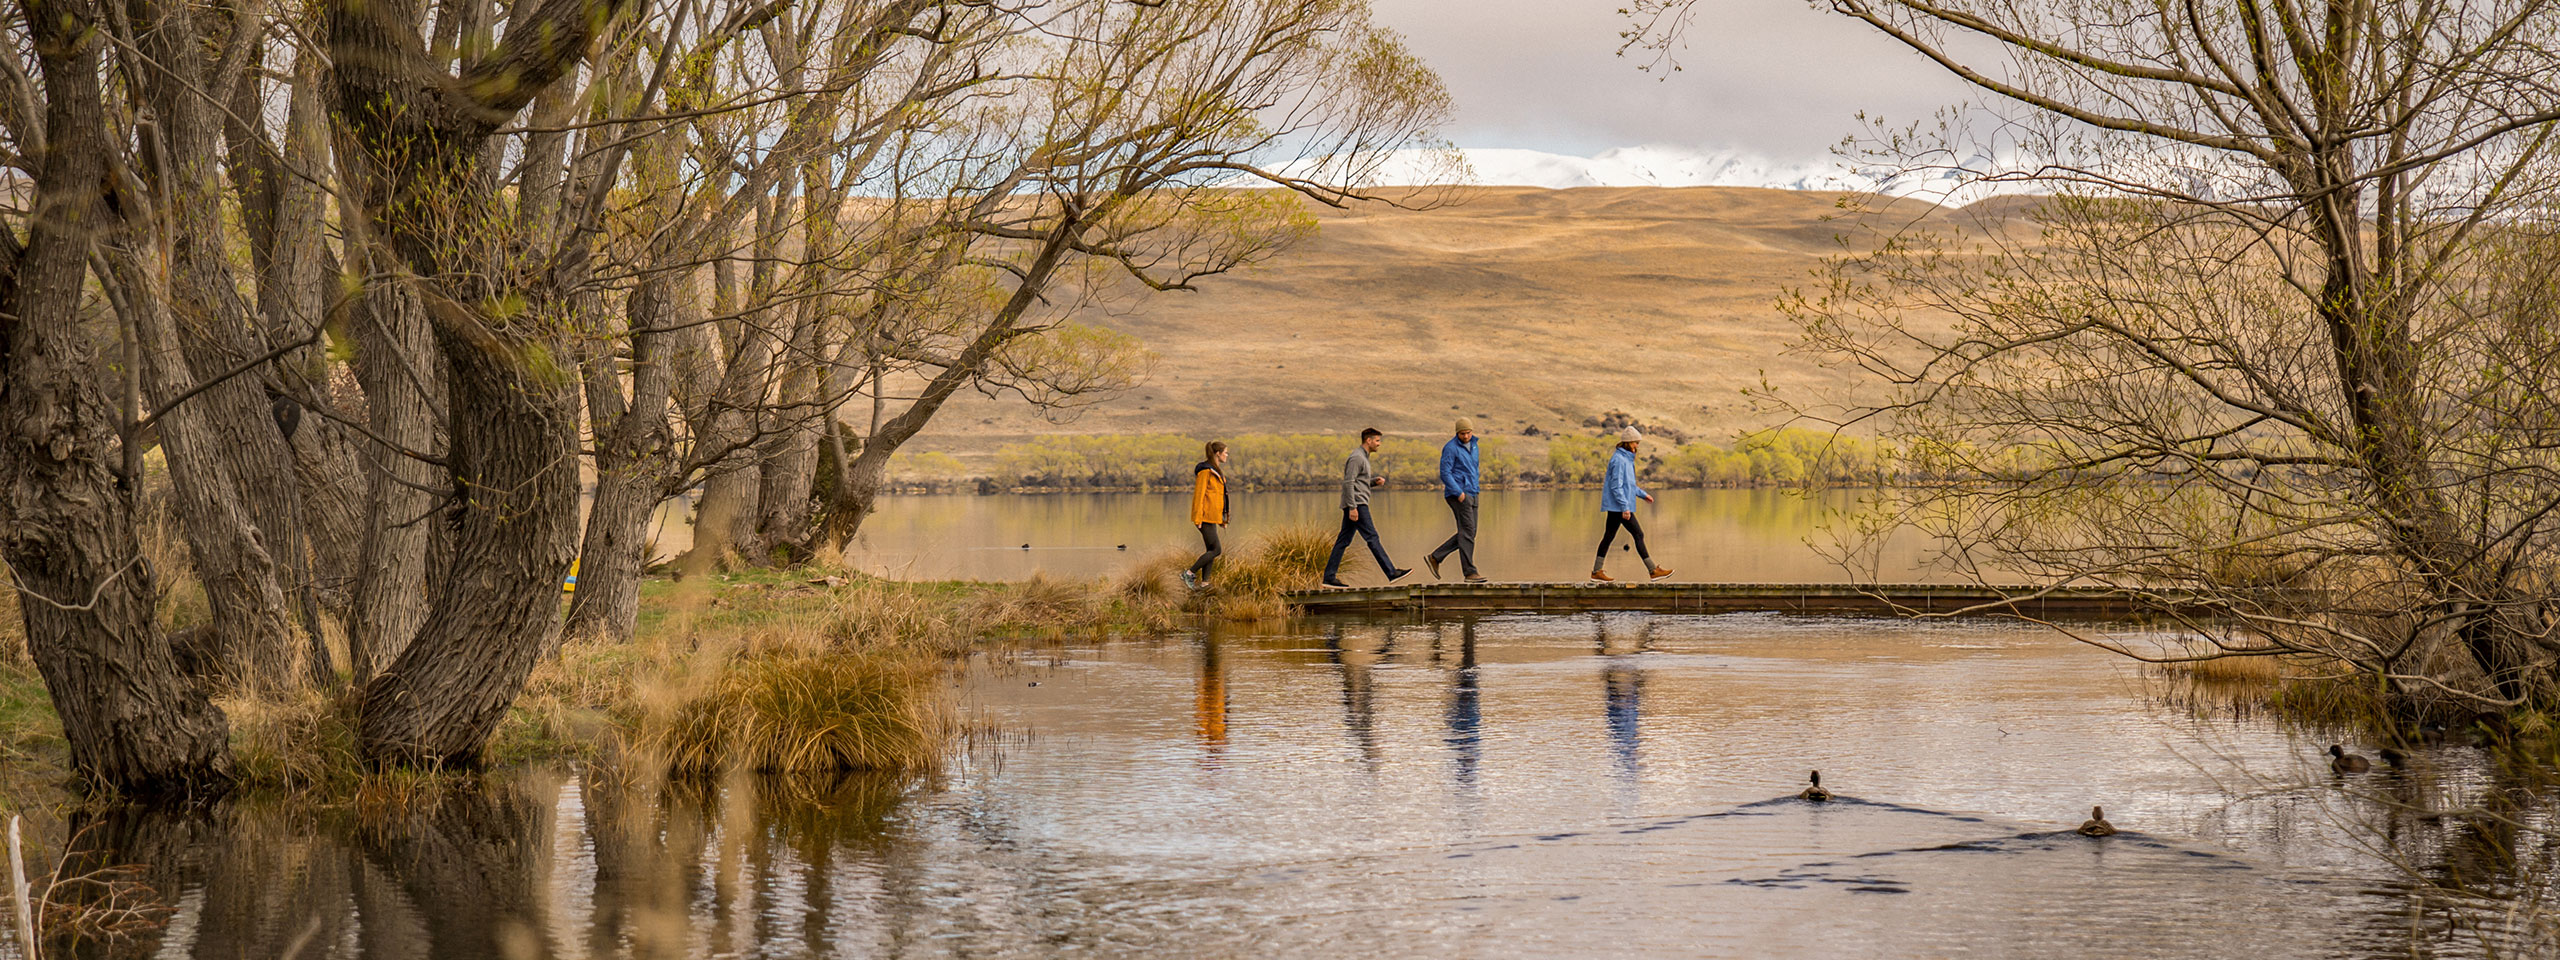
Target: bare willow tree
x,y
707,391
2279,319
1125,157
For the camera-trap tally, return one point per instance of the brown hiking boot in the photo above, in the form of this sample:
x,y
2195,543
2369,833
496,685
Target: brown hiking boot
x,y
1602,576
1660,572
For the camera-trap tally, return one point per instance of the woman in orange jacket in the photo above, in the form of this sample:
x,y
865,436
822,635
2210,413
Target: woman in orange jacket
x,y
1208,509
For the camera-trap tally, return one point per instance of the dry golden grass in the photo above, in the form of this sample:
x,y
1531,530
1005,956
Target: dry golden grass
x,y
301,743
796,710
1246,584
762,676
1519,307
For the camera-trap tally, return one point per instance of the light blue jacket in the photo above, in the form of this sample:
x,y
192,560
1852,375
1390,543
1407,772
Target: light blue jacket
x,y
1620,493
1458,469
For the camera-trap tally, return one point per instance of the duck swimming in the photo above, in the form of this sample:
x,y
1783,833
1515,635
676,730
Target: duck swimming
x,y
2340,761
2097,825
1815,793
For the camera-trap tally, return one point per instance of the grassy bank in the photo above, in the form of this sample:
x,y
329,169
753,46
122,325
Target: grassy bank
x,y
809,668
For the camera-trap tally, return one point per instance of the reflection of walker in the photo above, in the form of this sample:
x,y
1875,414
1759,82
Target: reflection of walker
x,y
1209,700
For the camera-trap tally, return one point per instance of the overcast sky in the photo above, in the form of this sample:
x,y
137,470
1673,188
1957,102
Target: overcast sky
x,y
1770,77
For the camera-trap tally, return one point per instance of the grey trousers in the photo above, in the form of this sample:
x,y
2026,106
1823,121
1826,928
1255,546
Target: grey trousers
x,y
1463,542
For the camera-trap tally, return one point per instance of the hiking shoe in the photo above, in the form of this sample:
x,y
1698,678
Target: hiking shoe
x,y
1660,572
1189,580
1475,578
1435,567
1602,576
1337,583
1399,575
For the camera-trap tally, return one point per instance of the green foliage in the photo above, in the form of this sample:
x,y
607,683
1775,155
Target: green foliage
x,y
1256,459
930,468
1572,459
1101,460
1707,465
1070,365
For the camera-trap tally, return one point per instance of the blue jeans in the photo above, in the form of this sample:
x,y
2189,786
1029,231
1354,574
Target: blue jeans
x,y
1367,528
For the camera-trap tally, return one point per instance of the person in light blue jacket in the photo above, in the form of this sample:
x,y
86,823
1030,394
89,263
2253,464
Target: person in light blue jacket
x,y
1618,496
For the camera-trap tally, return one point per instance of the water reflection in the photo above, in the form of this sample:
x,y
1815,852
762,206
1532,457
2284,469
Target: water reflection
x,y
1209,704
1466,707
1355,653
1431,789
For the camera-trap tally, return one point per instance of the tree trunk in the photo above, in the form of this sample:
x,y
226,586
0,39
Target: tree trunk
x,y
514,456
790,448
256,640
293,298
403,379
859,486
132,720
632,448
231,423
856,494
724,520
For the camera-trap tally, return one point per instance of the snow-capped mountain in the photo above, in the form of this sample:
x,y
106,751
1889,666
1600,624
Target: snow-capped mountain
x,y
1648,166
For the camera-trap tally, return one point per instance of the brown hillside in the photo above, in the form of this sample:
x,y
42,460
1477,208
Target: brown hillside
x,y
1519,306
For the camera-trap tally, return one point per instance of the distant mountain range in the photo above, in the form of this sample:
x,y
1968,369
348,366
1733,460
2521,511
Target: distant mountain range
x,y
1656,166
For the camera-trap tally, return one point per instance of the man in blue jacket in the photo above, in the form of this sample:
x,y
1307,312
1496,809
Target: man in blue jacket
x,y
1460,484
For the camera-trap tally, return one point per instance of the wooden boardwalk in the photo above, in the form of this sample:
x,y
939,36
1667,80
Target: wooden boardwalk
x,y
1872,599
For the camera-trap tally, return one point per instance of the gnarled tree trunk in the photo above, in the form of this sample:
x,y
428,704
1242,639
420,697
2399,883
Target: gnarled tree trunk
x,y
512,455
133,721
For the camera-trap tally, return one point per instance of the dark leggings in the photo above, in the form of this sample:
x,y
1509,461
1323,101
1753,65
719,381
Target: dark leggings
x,y
1208,538
1618,518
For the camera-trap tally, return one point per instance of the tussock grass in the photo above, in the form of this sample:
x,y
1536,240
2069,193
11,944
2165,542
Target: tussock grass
x,y
302,742
1247,583
764,674
802,710
1042,605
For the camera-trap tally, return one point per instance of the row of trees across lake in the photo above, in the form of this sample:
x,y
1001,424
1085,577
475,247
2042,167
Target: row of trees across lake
x,y
1779,457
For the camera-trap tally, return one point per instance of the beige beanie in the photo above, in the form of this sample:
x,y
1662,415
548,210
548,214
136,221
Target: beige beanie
x,y
1466,426
1629,435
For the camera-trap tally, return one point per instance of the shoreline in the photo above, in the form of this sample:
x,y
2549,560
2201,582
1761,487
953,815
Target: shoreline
x,y
989,487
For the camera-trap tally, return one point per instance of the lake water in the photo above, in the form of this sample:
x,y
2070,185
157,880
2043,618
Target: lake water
x,y
1566,786
1704,535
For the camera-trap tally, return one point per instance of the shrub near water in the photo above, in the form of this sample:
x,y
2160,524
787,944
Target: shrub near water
x,y
1249,583
1259,459
858,691
809,710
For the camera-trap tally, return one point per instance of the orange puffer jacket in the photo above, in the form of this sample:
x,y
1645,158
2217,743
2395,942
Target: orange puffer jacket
x,y
1208,495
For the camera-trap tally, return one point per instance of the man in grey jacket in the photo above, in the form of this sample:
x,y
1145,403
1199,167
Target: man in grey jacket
x,y
1357,518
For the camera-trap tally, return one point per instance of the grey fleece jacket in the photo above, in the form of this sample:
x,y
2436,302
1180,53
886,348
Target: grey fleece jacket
x,y
1355,479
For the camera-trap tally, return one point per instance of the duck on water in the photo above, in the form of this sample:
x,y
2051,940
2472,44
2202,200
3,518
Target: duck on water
x,y
1815,793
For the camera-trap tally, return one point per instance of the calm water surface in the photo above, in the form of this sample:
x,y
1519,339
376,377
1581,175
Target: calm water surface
x,y
1612,785
1704,535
